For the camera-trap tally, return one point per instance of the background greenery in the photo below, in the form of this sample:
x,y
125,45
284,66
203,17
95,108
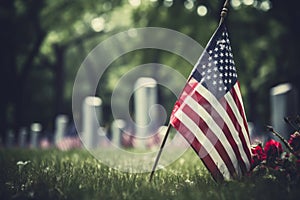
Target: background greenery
x,y
43,43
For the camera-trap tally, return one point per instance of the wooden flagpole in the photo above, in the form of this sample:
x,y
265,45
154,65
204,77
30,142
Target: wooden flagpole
x,y
223,15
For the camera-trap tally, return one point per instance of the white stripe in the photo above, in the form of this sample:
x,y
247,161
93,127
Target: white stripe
x,y
213,126
238,92
239,118
225,117
204,142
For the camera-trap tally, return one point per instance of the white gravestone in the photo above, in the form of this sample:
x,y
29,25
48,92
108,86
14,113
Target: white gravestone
x,y
117,128
35,130
284,103
61,123
91,115
10,139
145,96
22,137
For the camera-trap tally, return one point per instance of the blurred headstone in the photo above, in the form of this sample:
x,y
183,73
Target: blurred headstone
x,y
284,103
61,123
91,116
35,130
22,142
145,96
9,139
117,128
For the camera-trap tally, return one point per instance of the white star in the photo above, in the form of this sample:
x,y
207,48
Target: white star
x,y
221,68
209,64
221,54
214,82
220,89
203,73
203,66
215,76
215,69
221,75
216,55
210,51
220,82
221,61
209,58
208,77
215,62
216,49
209,70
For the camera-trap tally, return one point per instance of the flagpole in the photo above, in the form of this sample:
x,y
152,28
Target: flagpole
x,y
223,15
224,12
160,151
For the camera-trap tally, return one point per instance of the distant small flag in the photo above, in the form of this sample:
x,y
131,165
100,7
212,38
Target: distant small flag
x,y
210,113
68,143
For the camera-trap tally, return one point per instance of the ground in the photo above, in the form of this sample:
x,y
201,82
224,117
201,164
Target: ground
x,y
52,174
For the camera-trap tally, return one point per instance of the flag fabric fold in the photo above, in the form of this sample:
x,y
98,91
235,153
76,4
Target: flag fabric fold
x,y
210,114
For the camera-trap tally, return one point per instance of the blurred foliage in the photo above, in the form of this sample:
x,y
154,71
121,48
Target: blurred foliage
x,y
43,43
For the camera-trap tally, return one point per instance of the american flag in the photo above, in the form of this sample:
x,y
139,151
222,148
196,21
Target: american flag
x,y
210,113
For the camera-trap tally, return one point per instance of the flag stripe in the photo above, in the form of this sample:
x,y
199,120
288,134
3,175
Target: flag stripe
x,y
223,121
205,143
242,131
242,110
212,137
228,119
195,144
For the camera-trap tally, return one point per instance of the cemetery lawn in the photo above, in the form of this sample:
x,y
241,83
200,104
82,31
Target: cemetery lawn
x,y
51,174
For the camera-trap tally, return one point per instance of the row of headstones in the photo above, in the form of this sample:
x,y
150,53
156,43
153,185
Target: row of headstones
x,y
34,134
92,134
284,102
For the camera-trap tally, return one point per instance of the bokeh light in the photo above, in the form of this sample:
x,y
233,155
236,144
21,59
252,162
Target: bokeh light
x,y
202,10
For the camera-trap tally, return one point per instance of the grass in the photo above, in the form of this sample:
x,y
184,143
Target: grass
x,y
52,174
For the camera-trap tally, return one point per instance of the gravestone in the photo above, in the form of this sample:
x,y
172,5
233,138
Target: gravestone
x,y
91,116
9,139
35,130
284,103
117,128
61,123
145,96
22,142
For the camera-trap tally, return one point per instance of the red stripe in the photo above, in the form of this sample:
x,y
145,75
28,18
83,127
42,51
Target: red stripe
x,y
242,136
237,126
218,119
212,137
207,160
235,97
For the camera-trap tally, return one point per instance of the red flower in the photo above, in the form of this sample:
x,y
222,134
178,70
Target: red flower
x,y
294,141
258,155
273,149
